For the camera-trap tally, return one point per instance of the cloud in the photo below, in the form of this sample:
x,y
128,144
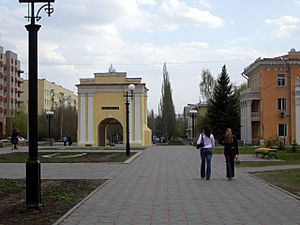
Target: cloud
x,y
297,2
176,13
284,26
146,2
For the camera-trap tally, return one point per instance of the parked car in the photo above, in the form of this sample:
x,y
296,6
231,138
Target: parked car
x,y
5,142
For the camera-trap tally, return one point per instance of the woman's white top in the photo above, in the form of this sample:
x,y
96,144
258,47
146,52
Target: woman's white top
x,y
209,142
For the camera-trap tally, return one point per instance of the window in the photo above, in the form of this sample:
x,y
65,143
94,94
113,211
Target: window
x,y
281,80
281,104
282,130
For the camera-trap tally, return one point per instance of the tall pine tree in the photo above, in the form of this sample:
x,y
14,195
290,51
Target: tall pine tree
x,y
168,116
223,107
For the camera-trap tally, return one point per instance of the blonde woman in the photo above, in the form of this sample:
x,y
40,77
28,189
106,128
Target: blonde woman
x,y
231,152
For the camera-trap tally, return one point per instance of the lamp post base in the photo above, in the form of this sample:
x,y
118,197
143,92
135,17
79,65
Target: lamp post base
x,y
33,184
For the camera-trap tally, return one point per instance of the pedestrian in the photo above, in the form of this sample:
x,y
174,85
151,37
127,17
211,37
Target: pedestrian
x,y
69,141
231,152
65,140
206,143
14,139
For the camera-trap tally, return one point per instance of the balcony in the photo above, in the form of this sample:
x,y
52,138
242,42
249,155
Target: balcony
x,y
250,94
19,79
19,90
255,116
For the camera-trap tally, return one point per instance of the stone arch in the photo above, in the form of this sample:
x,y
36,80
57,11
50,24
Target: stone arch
x,y
110,129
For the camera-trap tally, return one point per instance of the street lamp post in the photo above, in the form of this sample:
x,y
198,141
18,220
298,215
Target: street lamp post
x,y
129,93
49,115
33,167
193,113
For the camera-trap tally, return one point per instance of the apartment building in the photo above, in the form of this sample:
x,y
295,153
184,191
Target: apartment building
x,y
10,90
270,106
50,96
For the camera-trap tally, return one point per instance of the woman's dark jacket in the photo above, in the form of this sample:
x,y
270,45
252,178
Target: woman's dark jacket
x,y
228,148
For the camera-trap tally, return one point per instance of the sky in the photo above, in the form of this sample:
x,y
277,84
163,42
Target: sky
x,y
84,37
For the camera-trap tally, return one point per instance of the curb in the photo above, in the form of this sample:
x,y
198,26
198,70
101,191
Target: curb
x,y
67,214
132,158
274,186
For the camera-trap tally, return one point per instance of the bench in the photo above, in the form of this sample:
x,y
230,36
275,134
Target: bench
x,y
266,152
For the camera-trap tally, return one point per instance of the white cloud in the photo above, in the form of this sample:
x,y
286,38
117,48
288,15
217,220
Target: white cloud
x,y
178,13
146,2
205,3
297,2
284,26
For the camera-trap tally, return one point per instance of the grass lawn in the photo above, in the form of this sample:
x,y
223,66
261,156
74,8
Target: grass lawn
x,y
58,196
288,157
286,179
66,157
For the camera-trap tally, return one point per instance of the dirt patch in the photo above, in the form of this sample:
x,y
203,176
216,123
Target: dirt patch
x,y
58,196
22,157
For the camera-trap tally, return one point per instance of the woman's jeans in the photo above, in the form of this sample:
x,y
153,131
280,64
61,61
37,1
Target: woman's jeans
x,y
206,154
229,156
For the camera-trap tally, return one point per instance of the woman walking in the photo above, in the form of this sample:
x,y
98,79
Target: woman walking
x,y
231,152
14,139
206,143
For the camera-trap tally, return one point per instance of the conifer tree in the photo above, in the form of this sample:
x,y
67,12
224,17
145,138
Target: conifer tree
x,y
223,107
167,110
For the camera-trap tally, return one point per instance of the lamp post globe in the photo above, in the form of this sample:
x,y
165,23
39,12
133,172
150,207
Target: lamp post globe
x,y
131,87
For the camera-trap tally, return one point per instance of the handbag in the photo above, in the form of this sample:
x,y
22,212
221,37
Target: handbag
x,y
201,145
237,161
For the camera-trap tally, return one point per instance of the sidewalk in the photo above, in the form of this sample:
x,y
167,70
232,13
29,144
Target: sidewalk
x,y
162,187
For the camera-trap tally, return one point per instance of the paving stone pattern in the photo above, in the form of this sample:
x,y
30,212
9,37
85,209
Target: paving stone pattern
x,y
162,186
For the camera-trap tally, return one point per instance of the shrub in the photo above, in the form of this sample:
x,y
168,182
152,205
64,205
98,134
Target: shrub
x,y
274,141
175,142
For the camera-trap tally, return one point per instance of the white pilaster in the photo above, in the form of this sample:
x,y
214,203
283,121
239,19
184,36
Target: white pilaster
x,y
130,120
242,106
144,119
137,134
90,128
249,122
82,120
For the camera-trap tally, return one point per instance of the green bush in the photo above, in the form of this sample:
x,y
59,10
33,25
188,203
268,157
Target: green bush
x,y
274,141
175,142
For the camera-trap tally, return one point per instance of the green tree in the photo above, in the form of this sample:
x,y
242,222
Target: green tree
x,y
63,123
151,121
223,107
168,115
207,85
200,122
19,121
180,126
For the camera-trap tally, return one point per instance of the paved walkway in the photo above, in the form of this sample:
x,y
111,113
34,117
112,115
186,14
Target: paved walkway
x,y
162,187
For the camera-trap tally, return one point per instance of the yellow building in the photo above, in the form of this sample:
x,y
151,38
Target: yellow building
x,y
270,106
50,96
102,106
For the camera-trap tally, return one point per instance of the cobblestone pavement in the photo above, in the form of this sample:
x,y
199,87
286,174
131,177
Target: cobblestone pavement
x,y
162,187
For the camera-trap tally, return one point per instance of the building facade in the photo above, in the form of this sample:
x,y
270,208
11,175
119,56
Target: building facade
x,y
190,113
102,107
270,106
50,96
10,88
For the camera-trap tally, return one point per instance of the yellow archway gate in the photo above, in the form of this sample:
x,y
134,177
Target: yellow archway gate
x,y
102,99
